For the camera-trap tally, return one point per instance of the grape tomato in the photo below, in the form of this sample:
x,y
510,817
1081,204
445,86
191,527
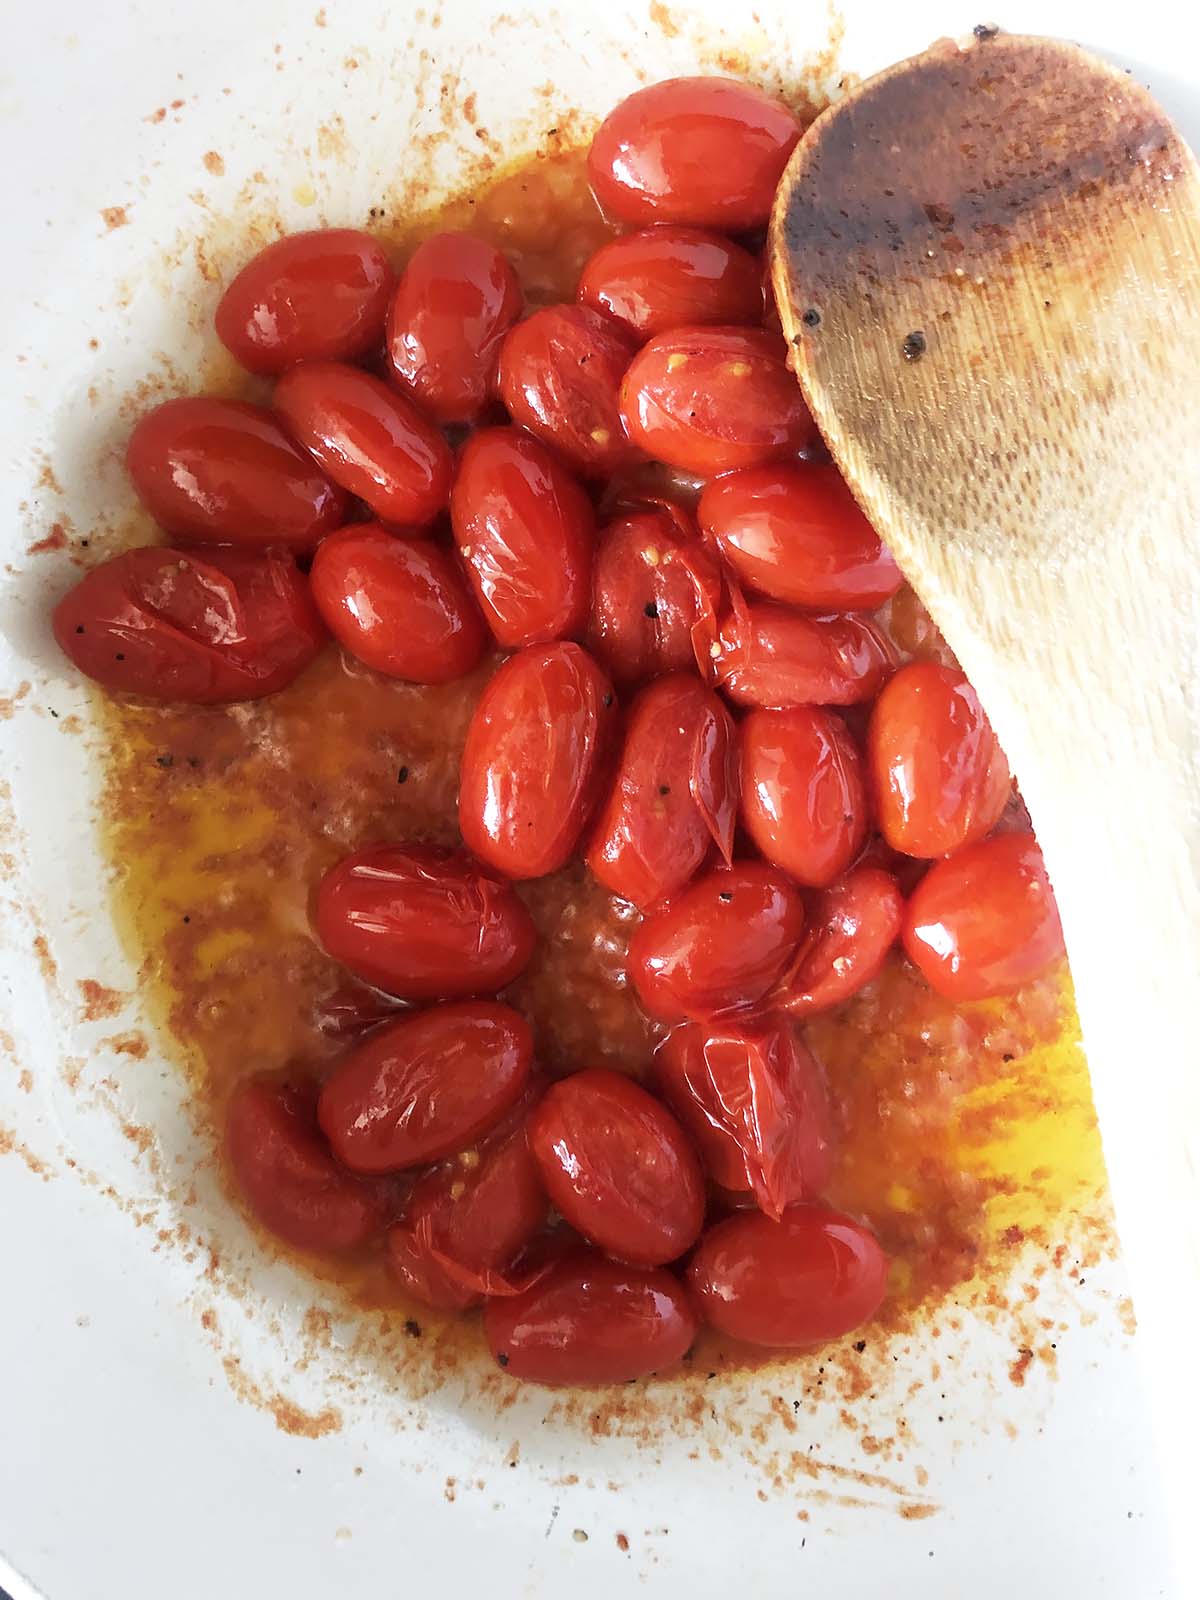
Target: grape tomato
x,y
665,278
803,789
768,655
852,925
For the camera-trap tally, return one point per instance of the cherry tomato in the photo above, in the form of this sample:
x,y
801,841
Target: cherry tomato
x,y
804,795
708,151
524,531
426,1085
852,926
710,400
618,1167
674,793
369,438
225,472
560,371
201,626
287,1172
719,946
985,921
422,923
534,759
457,299
754,1101
591,1321
400,605
351,1008
655,594
316,296
767,655
913,630
795,533
664,278
940,777
814,1275
467,1221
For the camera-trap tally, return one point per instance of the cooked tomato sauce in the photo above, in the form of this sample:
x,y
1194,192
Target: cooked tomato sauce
x,y
951,1122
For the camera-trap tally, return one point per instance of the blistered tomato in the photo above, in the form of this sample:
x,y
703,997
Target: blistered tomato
x,y
618,1167
226,472
673,795
202,626
400,605
710,400
985,921
426,1085
795,534
804,799
768,655
708,151
664,278
422,923
851,927
719,946
940,777
534,759
816,1274
524,528
316,296
457,298
591,1321
369,438
286,1170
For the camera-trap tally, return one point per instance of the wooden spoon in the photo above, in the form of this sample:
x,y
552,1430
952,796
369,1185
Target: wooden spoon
x,y
987,262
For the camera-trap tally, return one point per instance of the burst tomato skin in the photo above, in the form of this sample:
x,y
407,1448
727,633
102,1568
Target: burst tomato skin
x,y
664,278
535,758
939,775
457,298
524,530
814,1275
804,795
315,296
768,655
852,926
204,626
591,1321
422,923
706,151
984,921
226,472
287,1172
719,946
426,1085
673,794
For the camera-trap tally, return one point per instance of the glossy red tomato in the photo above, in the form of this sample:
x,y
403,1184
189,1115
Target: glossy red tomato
x,y
655,594
426,1085
316,296
814,1275
664,278
804,793
524,528
287,1172
534,759
226,472
795,533
560,371
753,1099
422,923
768,655
674,793
719,946
591,1321
852,925
202,626
939,775
709,151
467,1221
369,438
710,400
618,1167
985,921
398,604
457,299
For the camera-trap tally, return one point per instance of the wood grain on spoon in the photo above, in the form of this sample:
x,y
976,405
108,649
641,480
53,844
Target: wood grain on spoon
x,y
987,262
